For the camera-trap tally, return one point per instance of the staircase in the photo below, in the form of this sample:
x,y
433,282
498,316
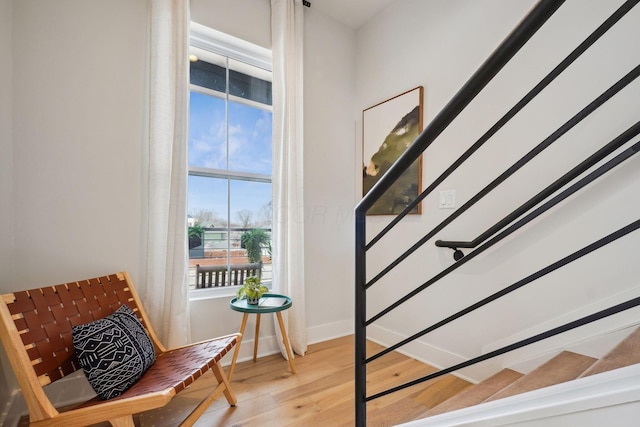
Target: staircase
x,y
564,367
555,253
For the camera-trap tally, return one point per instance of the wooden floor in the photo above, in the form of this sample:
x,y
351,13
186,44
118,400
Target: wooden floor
x,y
321,393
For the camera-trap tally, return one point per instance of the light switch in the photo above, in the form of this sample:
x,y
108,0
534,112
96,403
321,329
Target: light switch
x,y
447,199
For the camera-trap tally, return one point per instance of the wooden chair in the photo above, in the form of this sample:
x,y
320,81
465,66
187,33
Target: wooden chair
x,y
225,275
35,328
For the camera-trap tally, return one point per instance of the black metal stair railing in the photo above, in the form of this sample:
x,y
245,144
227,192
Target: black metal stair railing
x,y
618,308
568,177
568,125
616,161
564,187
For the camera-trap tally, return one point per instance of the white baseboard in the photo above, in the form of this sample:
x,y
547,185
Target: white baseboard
x,y
329,331
577,340
268,345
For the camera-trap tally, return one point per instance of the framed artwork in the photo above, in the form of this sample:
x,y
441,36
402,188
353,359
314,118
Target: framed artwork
x,y
387,130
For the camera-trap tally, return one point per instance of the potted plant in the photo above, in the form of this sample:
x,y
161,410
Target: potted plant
x,y
252,290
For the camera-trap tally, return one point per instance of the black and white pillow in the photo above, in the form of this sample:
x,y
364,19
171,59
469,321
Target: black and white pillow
x,y
113,351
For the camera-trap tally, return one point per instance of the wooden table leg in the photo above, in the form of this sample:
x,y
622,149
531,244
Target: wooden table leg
x,y
243,325
256,337
285,341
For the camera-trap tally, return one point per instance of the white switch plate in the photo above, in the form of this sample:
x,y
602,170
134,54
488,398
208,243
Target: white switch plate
x,y
447,199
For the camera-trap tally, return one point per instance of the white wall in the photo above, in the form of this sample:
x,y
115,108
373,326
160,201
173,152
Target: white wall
x,y
249,20
329,153
439,44
79,84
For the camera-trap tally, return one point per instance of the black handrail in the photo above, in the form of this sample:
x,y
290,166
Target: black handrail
x,y
616,161
555,186
509,230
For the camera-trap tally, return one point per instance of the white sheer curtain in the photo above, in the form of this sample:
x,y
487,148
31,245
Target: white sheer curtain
x,y
288,204
165,280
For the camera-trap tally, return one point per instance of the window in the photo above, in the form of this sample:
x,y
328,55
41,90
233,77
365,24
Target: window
x,y
229,198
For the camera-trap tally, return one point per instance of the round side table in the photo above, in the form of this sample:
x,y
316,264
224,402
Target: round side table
x,y
269,303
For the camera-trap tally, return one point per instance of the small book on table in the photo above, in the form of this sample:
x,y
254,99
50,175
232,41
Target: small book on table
x,y
273,302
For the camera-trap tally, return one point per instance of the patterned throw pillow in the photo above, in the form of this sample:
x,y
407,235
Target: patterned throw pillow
x,y
113,351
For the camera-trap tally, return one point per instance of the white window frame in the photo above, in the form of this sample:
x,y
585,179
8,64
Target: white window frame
x,y
213,41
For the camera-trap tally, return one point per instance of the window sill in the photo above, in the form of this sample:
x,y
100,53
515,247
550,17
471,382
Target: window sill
x,y
213,293
217,293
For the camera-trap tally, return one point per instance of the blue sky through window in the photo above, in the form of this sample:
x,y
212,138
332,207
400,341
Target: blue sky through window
x,y
249,139
248,150
207,131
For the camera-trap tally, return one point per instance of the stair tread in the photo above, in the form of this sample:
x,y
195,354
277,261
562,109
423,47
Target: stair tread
x,y
440,390
400,411
478,393
566,366
626,353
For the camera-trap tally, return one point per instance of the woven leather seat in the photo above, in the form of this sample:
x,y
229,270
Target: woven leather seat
x,y
35,328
